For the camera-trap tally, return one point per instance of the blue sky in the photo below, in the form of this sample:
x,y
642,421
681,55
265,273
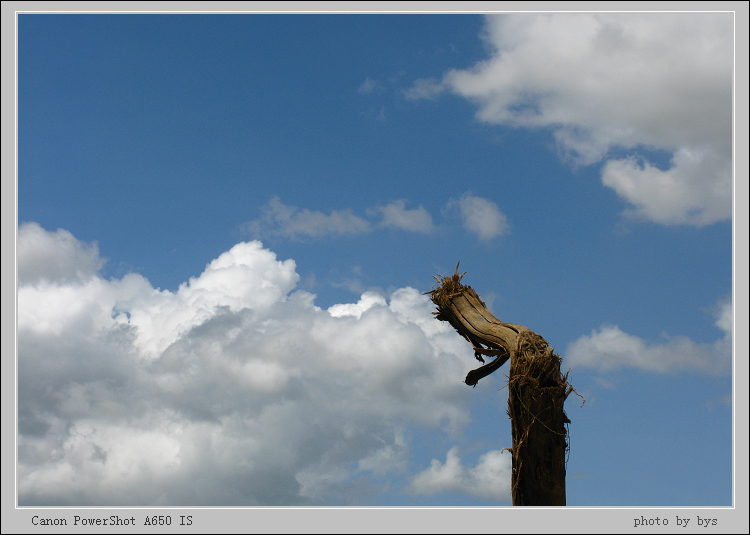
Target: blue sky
x,y
227,224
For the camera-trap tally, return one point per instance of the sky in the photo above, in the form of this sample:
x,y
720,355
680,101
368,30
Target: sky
x,y
227,225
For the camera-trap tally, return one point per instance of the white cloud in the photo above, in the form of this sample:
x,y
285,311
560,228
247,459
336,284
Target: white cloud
x,y
389,458
489,479
366,302
233,390
396,215
72,260
425,88
280,219
678,195
610,348
369,86
604,81
411,307
480,216
723,401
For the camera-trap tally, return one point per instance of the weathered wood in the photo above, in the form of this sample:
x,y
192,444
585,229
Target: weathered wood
x,y
536,394
536,390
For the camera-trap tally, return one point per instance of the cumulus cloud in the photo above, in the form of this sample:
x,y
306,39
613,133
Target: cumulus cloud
x,y
678,195
489,479
609,348
366,302
480,216
617,81
396,215
69,260
236,389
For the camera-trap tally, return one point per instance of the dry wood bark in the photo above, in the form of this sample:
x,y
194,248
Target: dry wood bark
x,y
536,390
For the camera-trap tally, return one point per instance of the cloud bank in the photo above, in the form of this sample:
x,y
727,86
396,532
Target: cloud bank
x,y
233,390
617,82
236,389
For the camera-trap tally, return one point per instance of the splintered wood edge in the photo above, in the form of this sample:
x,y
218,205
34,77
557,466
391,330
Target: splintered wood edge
x,y
448,288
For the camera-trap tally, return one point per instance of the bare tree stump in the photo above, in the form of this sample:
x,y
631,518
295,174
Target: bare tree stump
x,y
536,390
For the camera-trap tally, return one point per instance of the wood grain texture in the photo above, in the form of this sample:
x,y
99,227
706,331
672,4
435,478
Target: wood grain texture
x,y
536,390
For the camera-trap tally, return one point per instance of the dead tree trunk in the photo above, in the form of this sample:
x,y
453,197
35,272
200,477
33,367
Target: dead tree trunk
x,y
536,390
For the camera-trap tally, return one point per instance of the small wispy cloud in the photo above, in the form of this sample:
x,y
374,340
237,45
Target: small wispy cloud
x,y
480,216
425,88
723,401
396,215
280,219
369,86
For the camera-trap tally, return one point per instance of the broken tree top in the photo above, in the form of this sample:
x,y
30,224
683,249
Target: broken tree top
x,y
461,306
536,390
